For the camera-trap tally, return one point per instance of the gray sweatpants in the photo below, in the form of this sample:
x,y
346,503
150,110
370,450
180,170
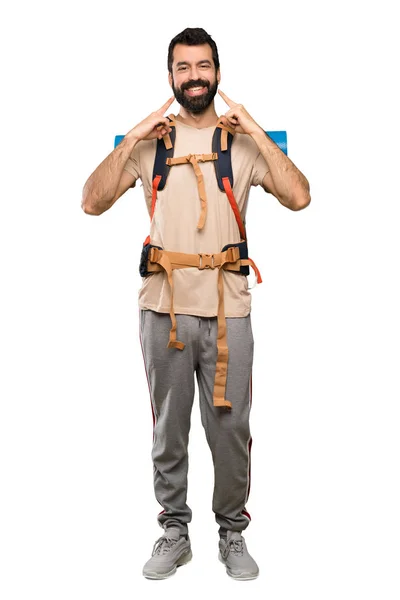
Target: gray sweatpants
x,y
170,374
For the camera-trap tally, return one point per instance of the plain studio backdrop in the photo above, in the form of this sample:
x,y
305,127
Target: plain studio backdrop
x,y
78,514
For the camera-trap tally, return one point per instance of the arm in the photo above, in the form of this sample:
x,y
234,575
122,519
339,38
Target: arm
x,y
283,180
109,181
99,192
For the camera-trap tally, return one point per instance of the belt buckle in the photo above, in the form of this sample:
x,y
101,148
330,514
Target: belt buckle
x,y
208,261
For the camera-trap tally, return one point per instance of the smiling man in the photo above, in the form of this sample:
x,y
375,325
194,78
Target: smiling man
x,y
197,170
194,95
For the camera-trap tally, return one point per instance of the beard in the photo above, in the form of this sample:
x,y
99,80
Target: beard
x,y
195,104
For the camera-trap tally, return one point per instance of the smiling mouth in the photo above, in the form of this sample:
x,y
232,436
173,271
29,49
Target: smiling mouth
x,y
197,91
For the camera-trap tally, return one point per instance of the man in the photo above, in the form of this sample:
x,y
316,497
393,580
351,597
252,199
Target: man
x,y
188,281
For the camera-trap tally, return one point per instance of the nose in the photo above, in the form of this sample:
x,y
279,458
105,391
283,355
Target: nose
x,y
195,73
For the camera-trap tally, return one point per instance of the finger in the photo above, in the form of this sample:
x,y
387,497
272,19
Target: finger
x,y
164,127
232,117
162,123
166,105
228,122
228,101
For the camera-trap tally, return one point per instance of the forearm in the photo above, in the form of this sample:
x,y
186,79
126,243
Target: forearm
x,y
290,184
100,188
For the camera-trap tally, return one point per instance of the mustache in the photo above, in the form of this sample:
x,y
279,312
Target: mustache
x,y
195,83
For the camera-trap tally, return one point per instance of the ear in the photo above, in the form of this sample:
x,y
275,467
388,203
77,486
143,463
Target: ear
x,y
170,79
219,76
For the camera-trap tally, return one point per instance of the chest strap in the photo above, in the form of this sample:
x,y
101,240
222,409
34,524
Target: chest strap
x,y
163,260
194,160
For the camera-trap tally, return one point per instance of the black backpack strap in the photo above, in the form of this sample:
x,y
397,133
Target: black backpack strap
x,y
162,153
223,166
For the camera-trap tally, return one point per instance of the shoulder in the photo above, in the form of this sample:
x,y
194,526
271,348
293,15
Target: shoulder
x,y
245,151
244,144
145,149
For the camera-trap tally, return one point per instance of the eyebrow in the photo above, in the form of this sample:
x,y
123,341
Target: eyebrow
x,y
184,62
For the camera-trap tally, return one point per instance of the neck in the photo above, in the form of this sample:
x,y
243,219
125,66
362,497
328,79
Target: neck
x,y
207,118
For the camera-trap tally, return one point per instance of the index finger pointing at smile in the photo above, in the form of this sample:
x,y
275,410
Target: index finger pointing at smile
x,y
229,102
167,105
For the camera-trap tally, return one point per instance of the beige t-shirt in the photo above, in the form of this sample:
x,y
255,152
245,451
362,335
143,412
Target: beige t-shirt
x,y
174,225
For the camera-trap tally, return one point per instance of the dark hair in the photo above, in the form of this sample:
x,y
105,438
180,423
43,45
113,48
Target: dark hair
x,y
193,36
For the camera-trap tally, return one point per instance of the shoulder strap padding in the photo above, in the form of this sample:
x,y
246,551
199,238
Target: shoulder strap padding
x,y
223,166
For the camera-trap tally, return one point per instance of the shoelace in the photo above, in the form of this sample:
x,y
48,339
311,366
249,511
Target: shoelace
x,y
234,547
163,545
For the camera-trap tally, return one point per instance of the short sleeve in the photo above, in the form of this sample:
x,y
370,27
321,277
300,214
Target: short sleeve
x,y
132,165
260,170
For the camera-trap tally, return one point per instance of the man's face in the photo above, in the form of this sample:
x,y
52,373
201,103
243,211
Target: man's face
x,y
194,80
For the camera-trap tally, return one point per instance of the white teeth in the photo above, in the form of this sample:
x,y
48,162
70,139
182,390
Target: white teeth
x,y
195,89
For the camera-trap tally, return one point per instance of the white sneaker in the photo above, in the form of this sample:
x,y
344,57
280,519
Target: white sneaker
x,y
234,554
169,552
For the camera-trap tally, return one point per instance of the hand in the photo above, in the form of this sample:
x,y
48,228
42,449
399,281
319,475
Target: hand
x,y
153,126
238,118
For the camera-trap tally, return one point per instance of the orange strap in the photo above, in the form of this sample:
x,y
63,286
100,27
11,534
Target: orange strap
x,y
181,260
168,261
224,135
161,257
252,264
156,183
229,192
167,137
221,367
194,159
167,141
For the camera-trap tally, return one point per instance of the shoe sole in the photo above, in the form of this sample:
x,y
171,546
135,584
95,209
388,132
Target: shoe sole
x,y
239,576
182,560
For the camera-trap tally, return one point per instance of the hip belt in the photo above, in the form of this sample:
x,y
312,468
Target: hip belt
x,y
233,257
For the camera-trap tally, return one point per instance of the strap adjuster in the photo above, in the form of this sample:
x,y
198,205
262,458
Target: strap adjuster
x,y
154,255
232,254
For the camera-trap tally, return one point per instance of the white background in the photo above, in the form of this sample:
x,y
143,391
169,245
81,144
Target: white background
x,y
78,515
